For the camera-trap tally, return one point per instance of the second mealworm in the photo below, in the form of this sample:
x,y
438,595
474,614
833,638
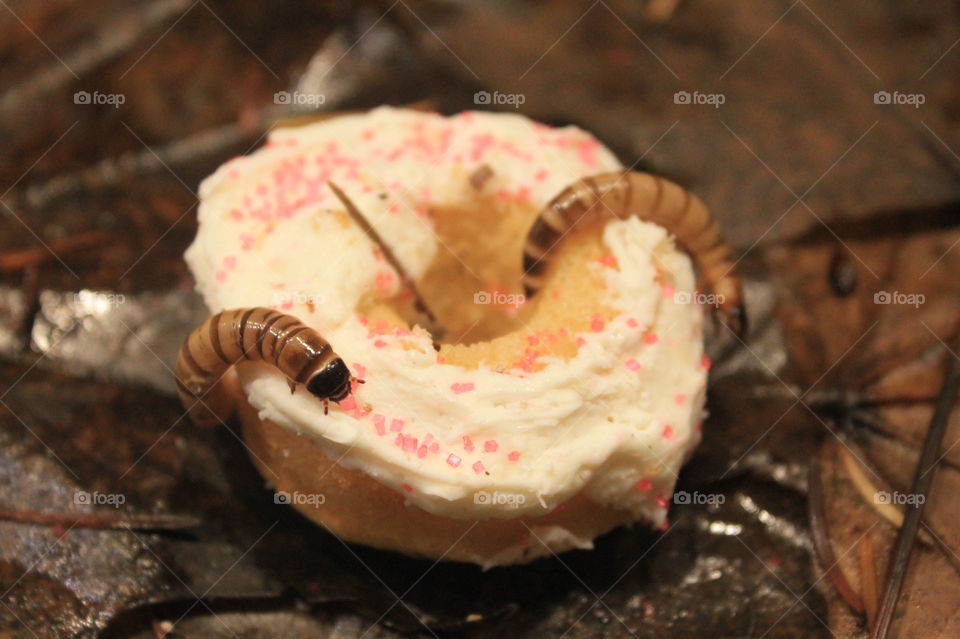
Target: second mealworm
x,y
651,198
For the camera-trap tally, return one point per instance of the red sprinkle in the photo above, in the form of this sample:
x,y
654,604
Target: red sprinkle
x,y
609,260
459,387
490,446
379,343
396,425
705,362
633,364
467,443
409,443
478,467
680,399
644,485
514,455
453,460
408,488
650,339
596,322
422,451
668,431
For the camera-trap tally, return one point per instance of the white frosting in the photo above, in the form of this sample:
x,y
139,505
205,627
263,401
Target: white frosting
x,y
615,422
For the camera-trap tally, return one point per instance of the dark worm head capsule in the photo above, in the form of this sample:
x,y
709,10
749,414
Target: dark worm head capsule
x,y
331,382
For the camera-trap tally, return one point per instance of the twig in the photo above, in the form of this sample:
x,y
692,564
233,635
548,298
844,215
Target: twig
x,y
868,579
19,260
926,466
821,539
102,520
388,255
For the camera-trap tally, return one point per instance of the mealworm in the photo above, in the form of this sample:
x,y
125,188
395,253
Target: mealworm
x,y
651,198
255,334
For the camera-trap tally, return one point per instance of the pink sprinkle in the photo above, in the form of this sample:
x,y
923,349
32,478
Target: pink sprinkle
x,y
361,370
221,276
467,443
236,214
428,439
650,339
348,403
633,364
286,305
478,467
609,260
409,443
661,501
490,446
408,488
422,451
514,455
434,448
453,460
667,431
396,425
581,341
379,343
587,150
644,485
399,440
378,421
596,322
632,323
541,175
667,290
555,294
680,399
705,362
533,340
384,279
459,387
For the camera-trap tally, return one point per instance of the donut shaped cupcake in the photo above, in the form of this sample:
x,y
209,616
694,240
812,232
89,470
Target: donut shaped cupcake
x,y
471,338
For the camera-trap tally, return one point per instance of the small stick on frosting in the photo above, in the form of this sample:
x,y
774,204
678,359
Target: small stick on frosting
x,y
388,255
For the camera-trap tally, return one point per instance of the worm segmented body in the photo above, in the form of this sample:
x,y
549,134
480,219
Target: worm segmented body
x,y
255,334
621,195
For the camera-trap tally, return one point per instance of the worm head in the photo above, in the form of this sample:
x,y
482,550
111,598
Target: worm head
x,y
331,382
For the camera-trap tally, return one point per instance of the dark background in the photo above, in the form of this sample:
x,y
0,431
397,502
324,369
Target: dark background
x,y
829,194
